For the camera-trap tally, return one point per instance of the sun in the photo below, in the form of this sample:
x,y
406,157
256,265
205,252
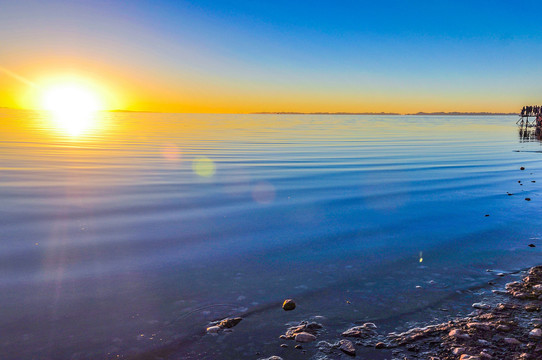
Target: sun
x,y
72,106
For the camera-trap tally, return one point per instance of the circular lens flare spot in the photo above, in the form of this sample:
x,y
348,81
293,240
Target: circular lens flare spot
x,y
263,192
204,167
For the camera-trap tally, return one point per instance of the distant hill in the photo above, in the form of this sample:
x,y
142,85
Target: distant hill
x,y
454,113
323,113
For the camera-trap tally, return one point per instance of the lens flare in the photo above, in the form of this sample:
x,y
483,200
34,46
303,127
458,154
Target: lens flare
x,y
204,167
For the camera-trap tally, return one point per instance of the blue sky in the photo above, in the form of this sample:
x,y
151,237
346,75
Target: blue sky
x,y
331,56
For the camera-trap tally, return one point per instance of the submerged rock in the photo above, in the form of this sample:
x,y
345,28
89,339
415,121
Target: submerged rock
x,y
213,329
229,322
347,347
362,331
481,306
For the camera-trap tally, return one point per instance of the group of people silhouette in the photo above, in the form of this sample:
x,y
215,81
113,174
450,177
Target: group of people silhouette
x,y
531,110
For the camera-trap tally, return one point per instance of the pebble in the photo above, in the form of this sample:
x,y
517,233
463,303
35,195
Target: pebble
x,y
304,337
458,350
272,358
531,245
347,347
532,307
481,306
469,357
536,333
527,199
503,328
480,326
522,168
380,345
298,346
512,341
213,329
485,355
282,337
458,334
288,305
283,345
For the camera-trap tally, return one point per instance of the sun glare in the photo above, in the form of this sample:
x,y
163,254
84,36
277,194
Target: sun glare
x,y
73,107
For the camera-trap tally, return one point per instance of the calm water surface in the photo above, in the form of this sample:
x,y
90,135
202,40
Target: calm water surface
x,y
130,238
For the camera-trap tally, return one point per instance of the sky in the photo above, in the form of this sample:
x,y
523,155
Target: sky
x,y
251,56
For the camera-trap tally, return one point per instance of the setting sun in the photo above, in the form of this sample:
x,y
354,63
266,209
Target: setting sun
x,y
72,106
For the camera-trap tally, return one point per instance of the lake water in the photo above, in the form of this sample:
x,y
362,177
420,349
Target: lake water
x,y
129,238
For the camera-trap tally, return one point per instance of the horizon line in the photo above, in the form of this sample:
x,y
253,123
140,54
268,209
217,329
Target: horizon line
x,y
449,113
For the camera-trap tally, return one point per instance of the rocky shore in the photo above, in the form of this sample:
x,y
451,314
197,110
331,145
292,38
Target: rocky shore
x,y
507,326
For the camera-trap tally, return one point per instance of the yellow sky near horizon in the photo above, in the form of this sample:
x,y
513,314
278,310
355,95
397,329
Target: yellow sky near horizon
x,y
119,89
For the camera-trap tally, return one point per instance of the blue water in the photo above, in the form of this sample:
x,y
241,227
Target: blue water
x,y
130,237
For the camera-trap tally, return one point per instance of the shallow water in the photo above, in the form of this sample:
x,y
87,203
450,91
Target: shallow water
x,y
130,237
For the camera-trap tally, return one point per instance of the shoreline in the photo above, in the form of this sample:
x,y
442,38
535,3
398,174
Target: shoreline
x,y
507,324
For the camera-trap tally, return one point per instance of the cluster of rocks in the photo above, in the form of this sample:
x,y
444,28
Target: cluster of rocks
x,y
304,332
509,330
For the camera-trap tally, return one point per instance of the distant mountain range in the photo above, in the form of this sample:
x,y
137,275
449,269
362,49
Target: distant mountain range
x,y
454,113
324,113
462,113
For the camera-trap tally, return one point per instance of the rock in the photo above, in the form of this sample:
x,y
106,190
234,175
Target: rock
x,y
347,347
512,285
362,331
535,333
326,348
536,322
481,306
458,350
531,245
527,199
485,355
282,337
522,295
503,328
512,341
522,168
272,358
311,328
380,345
532,307
479,326
304,337
213,329
499,292
458,334
229,322
288,305
298,346
483,342
283,345
469,357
